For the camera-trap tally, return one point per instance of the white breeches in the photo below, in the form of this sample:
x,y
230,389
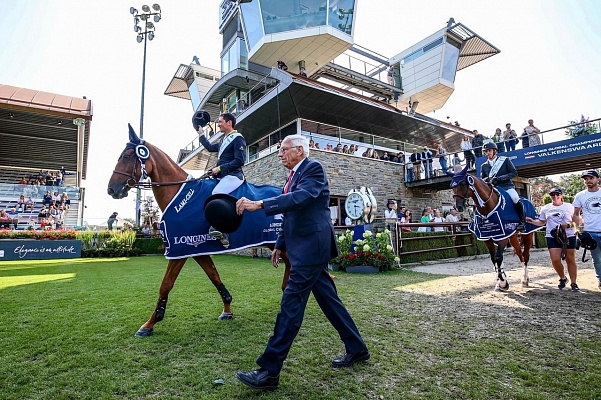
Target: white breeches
x,y
515,197
228,184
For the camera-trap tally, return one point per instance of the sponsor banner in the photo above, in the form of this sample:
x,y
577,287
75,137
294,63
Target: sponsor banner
x,y
28,249
555,151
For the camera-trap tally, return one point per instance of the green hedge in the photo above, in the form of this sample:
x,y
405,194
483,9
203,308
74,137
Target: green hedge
x,y
149,245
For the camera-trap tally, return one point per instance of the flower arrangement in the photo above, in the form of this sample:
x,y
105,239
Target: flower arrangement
x,y
374,250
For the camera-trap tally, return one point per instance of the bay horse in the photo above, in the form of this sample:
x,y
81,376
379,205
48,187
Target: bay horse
x,y
486,199
137,161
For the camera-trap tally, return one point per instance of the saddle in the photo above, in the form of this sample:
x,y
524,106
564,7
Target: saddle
x,y
559,234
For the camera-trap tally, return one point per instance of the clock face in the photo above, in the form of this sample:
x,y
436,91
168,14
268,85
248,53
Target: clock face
x,y
354,206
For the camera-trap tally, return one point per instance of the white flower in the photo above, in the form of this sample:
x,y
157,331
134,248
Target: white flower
x,y
341,239
379,234
396,259
366,234
366,247
360,242
386,231
388,247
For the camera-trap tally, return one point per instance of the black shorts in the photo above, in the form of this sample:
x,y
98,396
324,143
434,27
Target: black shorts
x,y
554,244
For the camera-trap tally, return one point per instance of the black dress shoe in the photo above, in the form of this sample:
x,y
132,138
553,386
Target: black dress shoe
x,y
259,379
349,359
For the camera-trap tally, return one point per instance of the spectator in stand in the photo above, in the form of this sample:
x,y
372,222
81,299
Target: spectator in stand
x,y
338,148
558,216
50,180
456,163
52,211
13,213
532,134
47,199
329,147
375,155
390,215
452,216
427,161
29,204
42,214
311,144
416,161
317,146
56,197
65,201
112,219
510,138
468,154
406,219
477,143
146,230
498,139
385,156
390,75
22,181
441,153
398,158
5,221
425,219
437,218
21,204
31,226
63,172
345,149
352,149
59,178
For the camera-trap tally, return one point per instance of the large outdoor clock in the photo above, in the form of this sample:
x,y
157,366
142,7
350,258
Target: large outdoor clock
x,y
361,205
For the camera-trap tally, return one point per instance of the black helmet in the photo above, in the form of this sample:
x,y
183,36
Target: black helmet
x,y
490,145
587,241
200,118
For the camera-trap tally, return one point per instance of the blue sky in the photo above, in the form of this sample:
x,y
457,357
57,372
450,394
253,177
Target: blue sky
x,y
547,69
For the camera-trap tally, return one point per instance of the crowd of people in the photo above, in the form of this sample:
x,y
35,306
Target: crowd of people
x,y
429,215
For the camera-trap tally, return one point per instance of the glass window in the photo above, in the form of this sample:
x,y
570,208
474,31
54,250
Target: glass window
x,y
340,15
251,21
194,95
282,16
449,67
423,50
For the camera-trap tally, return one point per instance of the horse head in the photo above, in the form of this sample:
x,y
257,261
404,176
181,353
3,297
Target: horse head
x,y
461,189
129,168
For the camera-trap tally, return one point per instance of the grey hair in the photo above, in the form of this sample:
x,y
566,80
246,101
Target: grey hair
x,y
300,140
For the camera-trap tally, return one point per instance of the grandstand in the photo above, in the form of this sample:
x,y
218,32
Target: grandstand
x,y
29,121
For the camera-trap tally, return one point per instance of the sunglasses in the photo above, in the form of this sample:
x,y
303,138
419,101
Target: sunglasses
x,y
554,194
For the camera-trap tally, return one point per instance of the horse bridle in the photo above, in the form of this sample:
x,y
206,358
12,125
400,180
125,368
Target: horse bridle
x,y
132,182
472,188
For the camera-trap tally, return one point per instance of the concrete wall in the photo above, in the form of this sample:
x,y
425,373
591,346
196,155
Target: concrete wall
x,y
346,172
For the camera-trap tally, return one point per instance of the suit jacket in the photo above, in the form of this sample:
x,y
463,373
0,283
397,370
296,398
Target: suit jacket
x,y
506,173
307,233
232,158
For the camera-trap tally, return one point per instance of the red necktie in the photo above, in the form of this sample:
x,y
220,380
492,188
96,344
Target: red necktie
x,y
288,181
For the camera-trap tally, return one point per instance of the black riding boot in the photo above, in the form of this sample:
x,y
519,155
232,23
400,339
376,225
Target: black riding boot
x,y
519,208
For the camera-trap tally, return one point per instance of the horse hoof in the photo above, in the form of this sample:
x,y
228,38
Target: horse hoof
x,y
144,332
225,316
498,287
526,282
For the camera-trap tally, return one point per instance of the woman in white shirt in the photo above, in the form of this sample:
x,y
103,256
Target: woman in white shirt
x,y
553,215
438,218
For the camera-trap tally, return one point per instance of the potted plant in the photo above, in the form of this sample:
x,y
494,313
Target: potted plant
x,y
373,253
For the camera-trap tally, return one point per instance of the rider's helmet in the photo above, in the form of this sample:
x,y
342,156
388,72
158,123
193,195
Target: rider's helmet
x,y
490,145
200,118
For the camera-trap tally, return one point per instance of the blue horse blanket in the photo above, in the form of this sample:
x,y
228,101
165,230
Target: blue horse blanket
x,y
501,222
185,230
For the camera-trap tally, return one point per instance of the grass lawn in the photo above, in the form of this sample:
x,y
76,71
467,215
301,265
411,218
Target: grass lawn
x,y
67,332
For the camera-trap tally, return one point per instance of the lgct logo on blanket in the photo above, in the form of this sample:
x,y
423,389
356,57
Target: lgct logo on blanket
x,y
193,240
182,203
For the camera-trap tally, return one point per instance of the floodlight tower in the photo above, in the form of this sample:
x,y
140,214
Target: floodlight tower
x,y
144,35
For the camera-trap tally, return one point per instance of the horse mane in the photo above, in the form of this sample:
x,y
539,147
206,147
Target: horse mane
x,y
164,169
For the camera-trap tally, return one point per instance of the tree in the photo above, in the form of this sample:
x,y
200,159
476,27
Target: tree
x,y
571,184
539,188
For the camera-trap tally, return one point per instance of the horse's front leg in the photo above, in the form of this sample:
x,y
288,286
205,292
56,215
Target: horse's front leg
x,y
516,242
207,265
502,283
284,256
174,267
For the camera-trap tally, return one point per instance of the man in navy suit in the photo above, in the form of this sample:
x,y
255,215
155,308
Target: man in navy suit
x,y
307,236
499,171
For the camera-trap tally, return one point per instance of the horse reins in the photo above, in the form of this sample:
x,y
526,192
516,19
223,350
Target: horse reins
x,y
147,185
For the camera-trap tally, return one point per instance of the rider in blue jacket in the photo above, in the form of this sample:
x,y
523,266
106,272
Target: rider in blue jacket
x,y
499,171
